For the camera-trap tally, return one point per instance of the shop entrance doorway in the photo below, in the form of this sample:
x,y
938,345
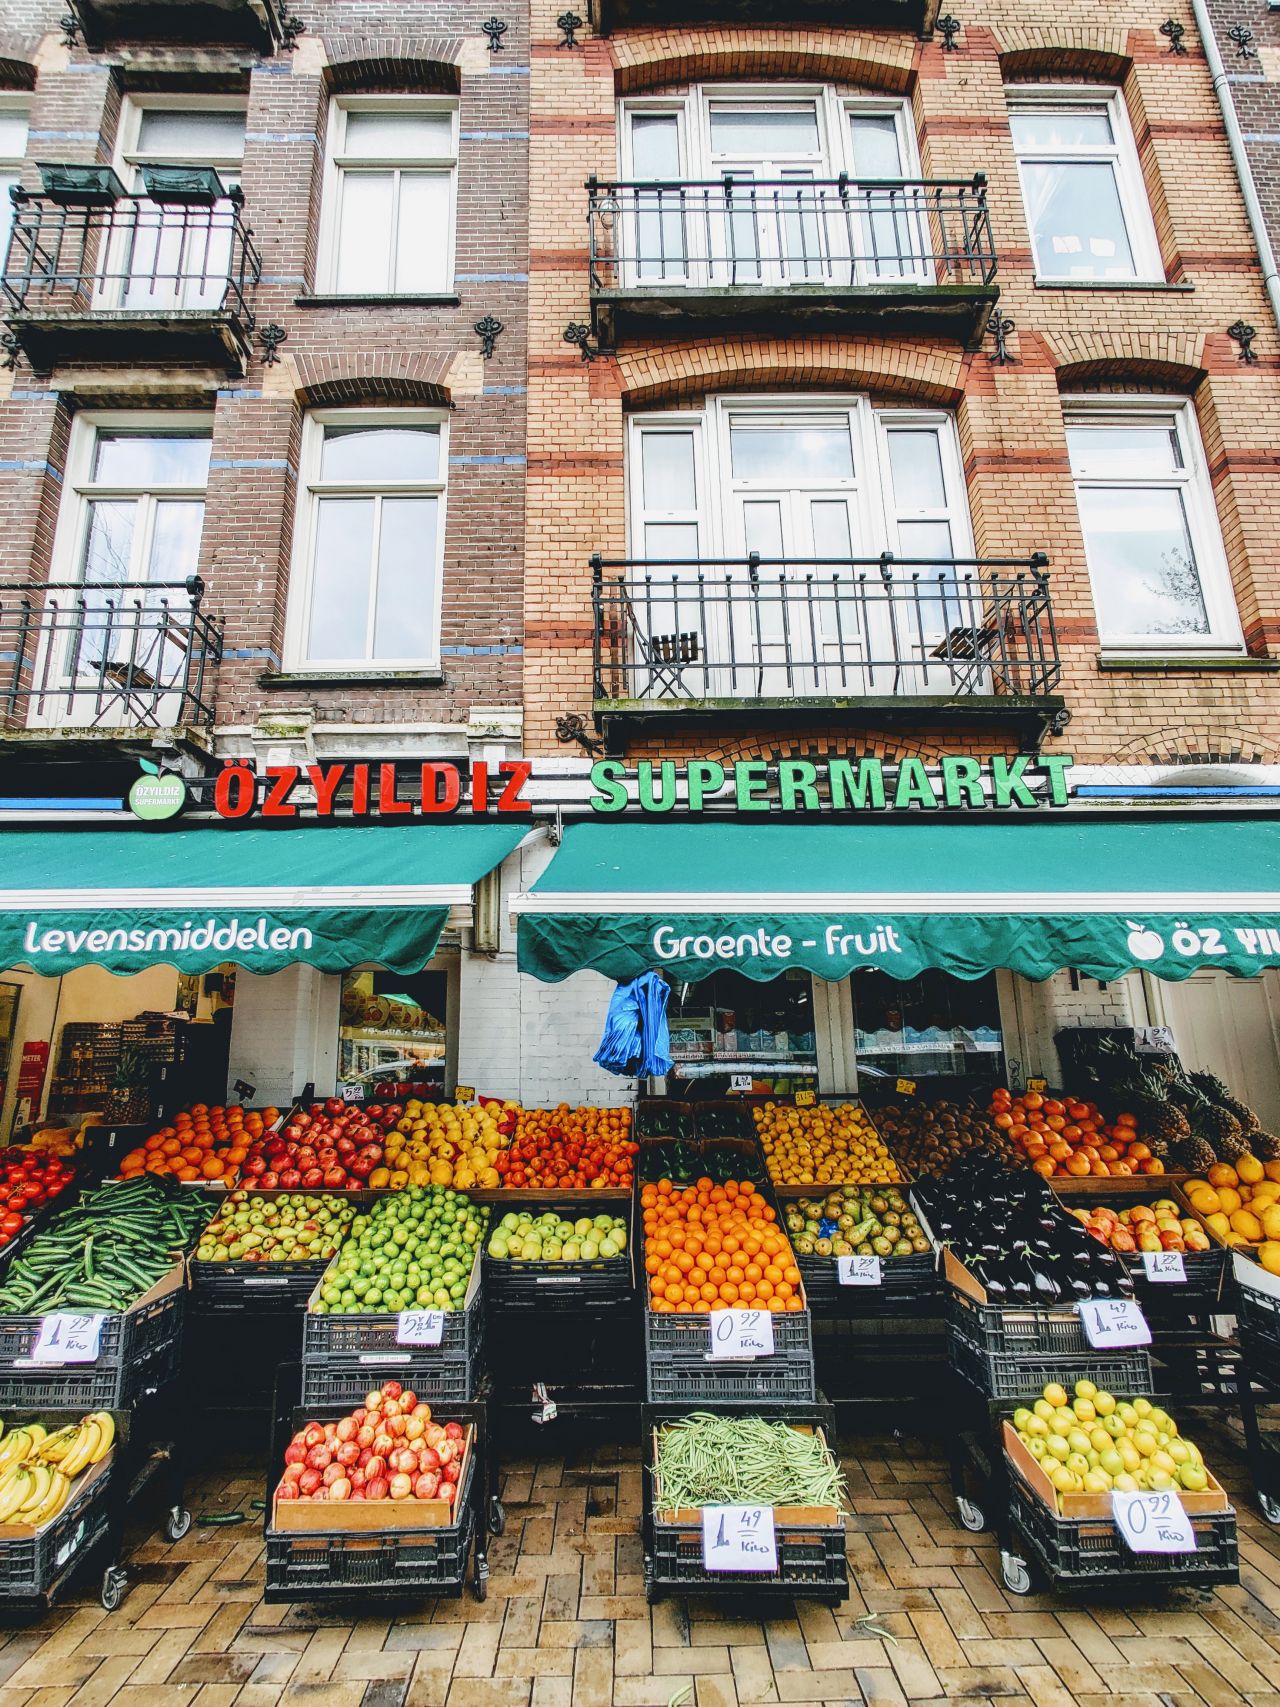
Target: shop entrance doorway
x,y
1230,1026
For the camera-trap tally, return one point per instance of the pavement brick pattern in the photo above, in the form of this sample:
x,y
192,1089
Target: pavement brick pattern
x,y
566,1623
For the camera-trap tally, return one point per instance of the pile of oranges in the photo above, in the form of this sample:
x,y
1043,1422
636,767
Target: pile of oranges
x,y
1066,1137
204,1143
710,1247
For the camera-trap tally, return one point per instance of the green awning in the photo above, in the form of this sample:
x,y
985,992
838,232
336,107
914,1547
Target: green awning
x,y
1104,896
193,898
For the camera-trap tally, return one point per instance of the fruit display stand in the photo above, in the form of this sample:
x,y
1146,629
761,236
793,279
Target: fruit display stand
x,y
1257,1296
518,1284
245,1285
907,1286
812,1563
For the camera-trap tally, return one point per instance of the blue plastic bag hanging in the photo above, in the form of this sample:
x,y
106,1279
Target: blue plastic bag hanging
x,y
636,1041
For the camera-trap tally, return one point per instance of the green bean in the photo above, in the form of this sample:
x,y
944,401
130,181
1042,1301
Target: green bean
x,y
719,1460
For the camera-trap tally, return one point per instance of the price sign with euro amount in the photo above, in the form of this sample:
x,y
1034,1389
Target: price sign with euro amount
x,y
741,1333
859,1271
906,1087
464,1093
420,1327
740,1081
1167,1266
1110,1323
1153,1522
739,1538
67,1338
806,1099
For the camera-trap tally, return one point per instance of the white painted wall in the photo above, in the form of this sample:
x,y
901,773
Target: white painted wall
x,y
1031,1013
284,1032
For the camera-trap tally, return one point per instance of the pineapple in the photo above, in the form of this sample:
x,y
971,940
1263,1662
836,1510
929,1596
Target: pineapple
x,y
1169,1124
1266,1146
1221,1131
129,1102
1211,1086
1195,1155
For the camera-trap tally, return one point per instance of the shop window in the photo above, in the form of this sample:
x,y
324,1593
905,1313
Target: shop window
x,y
390,197
730,1025
933,1026
370,538
1151,534
391,1037
1082,187
13,148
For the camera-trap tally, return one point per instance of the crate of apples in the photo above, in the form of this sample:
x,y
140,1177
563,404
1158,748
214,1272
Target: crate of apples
x,y
205,1143
1158,1226
565,1148
332,1145
1068,1138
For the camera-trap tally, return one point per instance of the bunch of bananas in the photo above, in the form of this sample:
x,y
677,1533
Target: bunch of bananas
x,y
37,1468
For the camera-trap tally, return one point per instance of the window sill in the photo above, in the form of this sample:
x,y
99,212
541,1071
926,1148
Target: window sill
x,y
443,299
1164,662
352,679
1114,284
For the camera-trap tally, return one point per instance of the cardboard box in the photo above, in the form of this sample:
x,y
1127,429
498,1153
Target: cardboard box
x,y
785,1516
346,1516
26,1532
1213,1498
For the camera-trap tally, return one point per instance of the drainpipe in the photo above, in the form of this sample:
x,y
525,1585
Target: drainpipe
x,y
1235,140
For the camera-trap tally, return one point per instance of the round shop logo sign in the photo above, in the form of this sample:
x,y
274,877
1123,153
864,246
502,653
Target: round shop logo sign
x,y
157,795
1144,943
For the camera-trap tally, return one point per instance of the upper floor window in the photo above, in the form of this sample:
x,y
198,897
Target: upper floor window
x,y
133,509
389,203
369,541
1151,534
13,148
1082,187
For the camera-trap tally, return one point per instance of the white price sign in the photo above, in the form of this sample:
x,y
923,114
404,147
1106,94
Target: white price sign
x,y
353,1093
1153,1523
1110,1323
739,1538
419,1327
68,1339
858,1271
740,1081
1165,1265
741,1333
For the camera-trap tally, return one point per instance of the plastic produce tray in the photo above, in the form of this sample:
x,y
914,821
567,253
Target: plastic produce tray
x,y
679,1368
253,1285
1023,1375
29,1567
909,1286
1090,1550
138,1349
1258,1318
604,1284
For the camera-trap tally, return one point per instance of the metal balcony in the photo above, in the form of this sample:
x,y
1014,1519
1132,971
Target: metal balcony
x,y
740,253
915,16
131,280
862,641
107,658
259,24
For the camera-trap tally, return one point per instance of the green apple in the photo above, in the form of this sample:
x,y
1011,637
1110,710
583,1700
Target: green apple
x,y
1194,1477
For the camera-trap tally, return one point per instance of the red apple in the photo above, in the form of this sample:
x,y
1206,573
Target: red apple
x,y
293,1473
295,1453
375,1468
424,1488
309,1481
400,1487
340,1490
287,1491
333,1473
376,1488
313,1435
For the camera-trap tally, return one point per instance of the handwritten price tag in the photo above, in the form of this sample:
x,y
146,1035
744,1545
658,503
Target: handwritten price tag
x,y
1037,1084
740,1081
1165,1265
68,1339
906,1087
420,1327
464,1093
858,1271
806,1099
739,1538
353,1093
1113,1322
741,1333
1153,1523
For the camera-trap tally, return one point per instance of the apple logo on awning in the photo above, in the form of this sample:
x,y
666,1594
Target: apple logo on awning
x,y
1144,943
156,794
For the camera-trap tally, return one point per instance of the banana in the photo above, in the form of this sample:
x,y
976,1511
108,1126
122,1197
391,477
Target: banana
x,y
38,1433
13,1494
42,1481
14,1450
54,1501
81,1454
107,1423
56,1447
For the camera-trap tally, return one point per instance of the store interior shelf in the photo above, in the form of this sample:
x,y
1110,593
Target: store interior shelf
x,y
372,1034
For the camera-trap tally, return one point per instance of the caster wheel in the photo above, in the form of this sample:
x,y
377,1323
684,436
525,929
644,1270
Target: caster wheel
x,y
177,1523
115,1580
480,1582
1017,1578
497,1517
1270,1508
971,1516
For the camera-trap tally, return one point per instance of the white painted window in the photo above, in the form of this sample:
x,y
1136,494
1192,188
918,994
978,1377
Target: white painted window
x,y
369,541
1082,188
1151,534
13,147
390,197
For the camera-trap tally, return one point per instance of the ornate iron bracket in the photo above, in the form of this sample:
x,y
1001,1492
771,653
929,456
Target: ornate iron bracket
x,y
576,333
495,29
572,726
271,337
1242,36
1000,326
949,28
1244,335
291,27
1175,32
568,22
12,349
69,24
488,330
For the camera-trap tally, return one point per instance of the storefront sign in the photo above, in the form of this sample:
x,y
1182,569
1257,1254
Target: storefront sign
x,y
156,795
302,793
957,783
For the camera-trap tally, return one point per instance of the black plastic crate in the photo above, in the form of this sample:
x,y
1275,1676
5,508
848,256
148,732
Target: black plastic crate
x,y
662,1117
139,1349
811,1562
679,1368
253,1285
1258,1322
345,1381
606,1283
909,1286
1020,1375
996,1328
30,1567
1091,1550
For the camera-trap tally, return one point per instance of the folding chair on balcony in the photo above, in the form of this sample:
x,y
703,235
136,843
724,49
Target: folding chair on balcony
x,y
663,658
977,653
141,683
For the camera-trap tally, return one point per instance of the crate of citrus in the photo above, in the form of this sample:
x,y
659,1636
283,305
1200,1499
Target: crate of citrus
x,y
439,1143
824,1144
205,1143
710,1249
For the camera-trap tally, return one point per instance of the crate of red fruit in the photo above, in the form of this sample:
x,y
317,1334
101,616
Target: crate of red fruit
x,y
29,1182
1068,1137
569,1149
1161,1241
329,1146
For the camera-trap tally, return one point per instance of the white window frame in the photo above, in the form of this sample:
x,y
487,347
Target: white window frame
x,y
311,489
336,163
1135,204
956,513
1225,636
127,154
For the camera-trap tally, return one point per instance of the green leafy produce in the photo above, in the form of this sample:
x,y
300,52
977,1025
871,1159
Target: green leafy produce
x,y
105,1251
414,1250
524,1237
713,1460
292,1228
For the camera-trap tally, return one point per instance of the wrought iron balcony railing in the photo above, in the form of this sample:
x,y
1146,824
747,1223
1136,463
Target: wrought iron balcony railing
x,y
107,656
742,231
752,628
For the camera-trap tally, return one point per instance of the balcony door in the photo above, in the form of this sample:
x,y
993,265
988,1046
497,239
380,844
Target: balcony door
x,y
171,256
769,225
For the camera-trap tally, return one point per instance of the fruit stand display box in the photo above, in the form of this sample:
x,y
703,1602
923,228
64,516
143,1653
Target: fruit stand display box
x,y
835,1139
243,1284
597,1282
663,1117
1257,1299
679,1367
360,1516
33,1561
1203,1262
908,1283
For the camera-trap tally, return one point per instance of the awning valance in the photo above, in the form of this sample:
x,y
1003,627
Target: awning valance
x,y
1102,897
263,899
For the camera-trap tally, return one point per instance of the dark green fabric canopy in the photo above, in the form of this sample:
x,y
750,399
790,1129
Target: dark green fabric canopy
x,y
1101,896
330,897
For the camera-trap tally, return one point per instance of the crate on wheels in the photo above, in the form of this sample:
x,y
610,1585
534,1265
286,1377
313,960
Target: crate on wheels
x,y
1257,1306
36,1563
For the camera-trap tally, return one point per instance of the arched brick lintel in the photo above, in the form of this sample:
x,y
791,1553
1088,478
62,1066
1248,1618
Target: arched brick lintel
x,y
921,373
654,59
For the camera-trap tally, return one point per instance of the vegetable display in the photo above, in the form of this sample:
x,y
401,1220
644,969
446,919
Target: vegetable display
x,y
292,1228
103,1252
38,1469
27,1182
726,1460
710,1247
414,1249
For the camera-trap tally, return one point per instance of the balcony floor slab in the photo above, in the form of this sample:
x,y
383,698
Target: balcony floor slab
x,y
52,338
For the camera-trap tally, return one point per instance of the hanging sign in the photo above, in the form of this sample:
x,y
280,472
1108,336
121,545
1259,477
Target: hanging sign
x,y
739,1538
1153,1522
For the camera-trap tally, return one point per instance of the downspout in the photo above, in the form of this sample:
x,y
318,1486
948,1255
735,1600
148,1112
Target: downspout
x,y
1235,140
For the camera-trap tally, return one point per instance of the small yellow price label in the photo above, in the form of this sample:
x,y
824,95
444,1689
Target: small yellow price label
x,y
464,1093
1037,1084
806,1099
906,1087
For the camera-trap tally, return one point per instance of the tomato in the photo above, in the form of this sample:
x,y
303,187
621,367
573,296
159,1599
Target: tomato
x,y
11,1224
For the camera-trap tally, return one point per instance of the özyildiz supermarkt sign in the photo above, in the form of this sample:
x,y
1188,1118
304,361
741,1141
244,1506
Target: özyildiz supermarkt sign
x,y
956,783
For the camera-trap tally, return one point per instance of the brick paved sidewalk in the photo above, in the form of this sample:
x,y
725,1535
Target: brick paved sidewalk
x,y
566,1623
